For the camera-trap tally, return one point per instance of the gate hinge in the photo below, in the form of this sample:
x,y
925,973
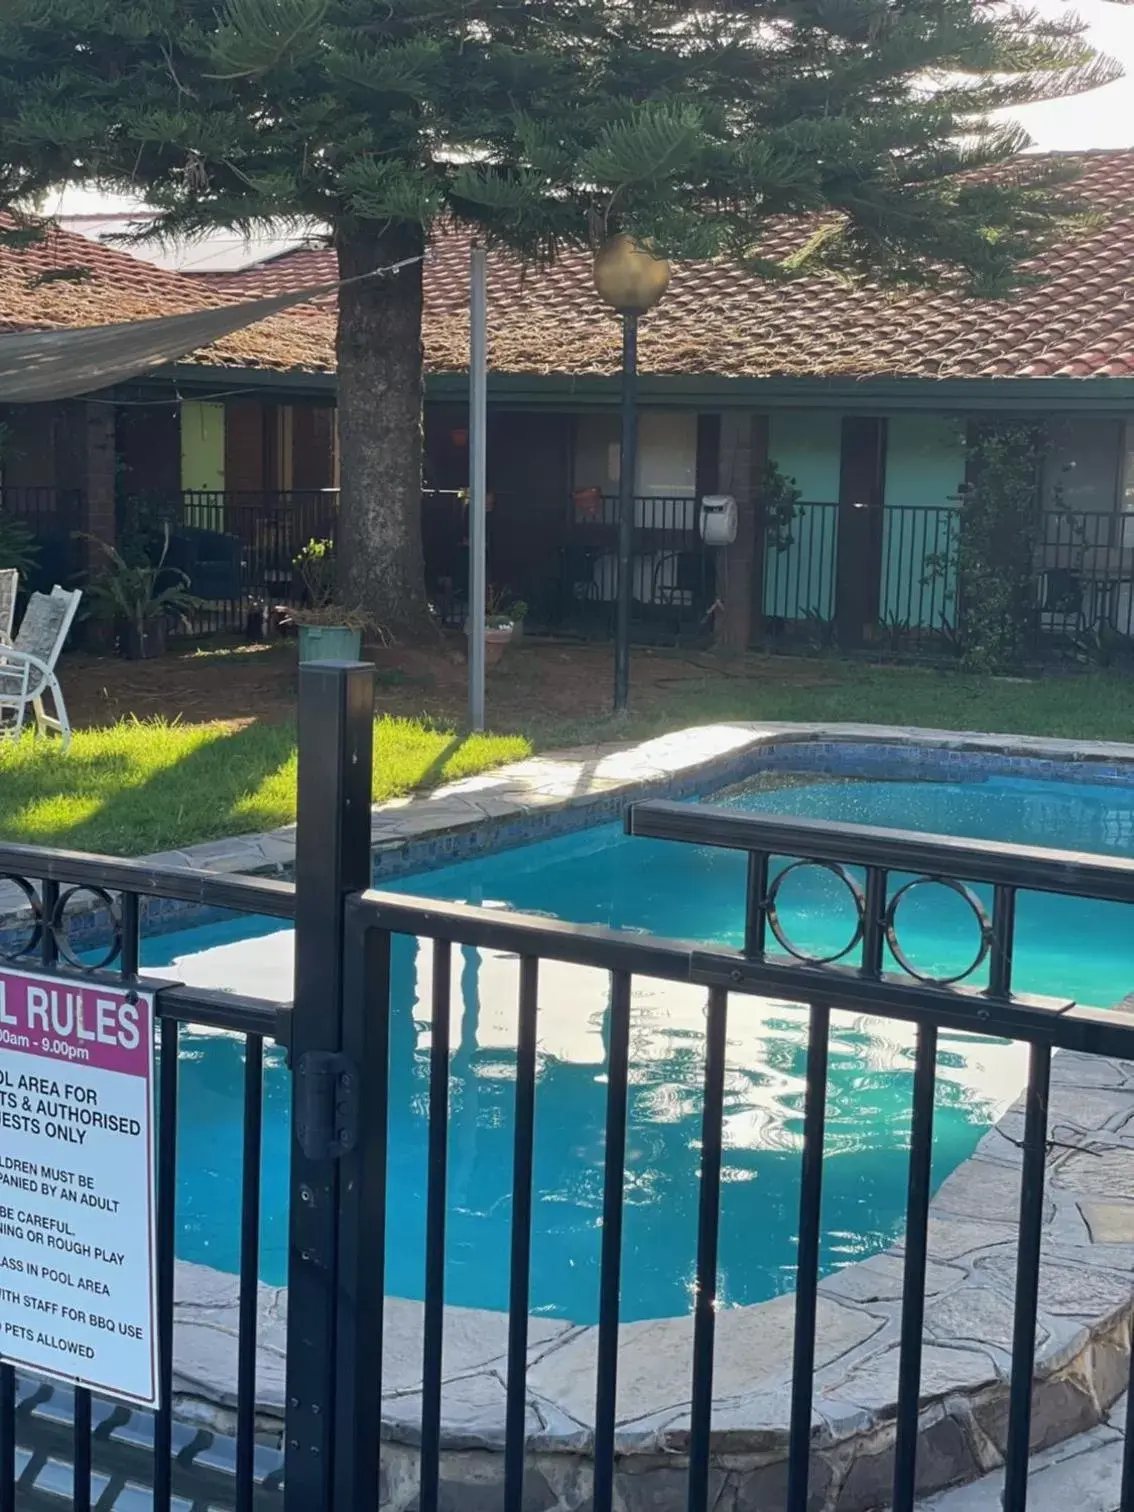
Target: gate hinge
x,y
326,1121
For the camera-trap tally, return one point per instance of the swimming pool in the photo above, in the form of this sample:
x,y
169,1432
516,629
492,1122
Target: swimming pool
x,y
600,876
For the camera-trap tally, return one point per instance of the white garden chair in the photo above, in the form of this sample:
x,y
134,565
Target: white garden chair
x,y
9,587
27,666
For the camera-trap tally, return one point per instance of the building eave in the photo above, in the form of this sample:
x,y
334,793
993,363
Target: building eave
x,y
709,392
1027,395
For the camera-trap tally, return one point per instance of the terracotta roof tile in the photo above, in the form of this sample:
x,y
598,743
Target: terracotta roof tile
x,y
1077,322
65,281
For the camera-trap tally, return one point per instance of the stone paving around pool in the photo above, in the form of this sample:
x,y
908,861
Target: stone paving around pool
x,y
1083,1474
1085,1302
563,790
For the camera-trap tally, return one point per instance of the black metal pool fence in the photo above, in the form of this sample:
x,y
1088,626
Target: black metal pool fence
x,y
62,1448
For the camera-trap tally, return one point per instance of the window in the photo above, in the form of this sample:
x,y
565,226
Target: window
x,y
1081,473
1126,500
667,454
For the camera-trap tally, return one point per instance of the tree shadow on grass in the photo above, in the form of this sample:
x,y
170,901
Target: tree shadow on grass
x,y
434,773
30,785
208,793
236,782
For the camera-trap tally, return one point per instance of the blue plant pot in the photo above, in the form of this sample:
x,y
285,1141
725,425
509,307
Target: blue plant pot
x,y
329,643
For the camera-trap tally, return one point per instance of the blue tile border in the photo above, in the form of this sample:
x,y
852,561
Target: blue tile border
x,y
847,759
908,754
411,857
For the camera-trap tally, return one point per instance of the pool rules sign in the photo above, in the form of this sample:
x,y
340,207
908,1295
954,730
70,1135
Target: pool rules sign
x,y
77,1275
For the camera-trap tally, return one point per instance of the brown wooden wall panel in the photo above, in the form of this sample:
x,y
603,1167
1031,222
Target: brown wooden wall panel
x,y
244,446
313,441
30,445
529,472
149,448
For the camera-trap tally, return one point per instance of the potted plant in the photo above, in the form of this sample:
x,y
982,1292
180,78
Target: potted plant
x,y
18,547
518,614
587,503
327,630
499,628
141,599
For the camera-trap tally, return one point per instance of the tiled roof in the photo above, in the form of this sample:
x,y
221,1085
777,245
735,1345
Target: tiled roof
x,y
714,320
64,281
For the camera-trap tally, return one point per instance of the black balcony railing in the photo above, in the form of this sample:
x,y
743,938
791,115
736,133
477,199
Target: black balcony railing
x,y
236,548
800,571
55,517
1085,576
561,558
911,552
672,577
920,565
1082,575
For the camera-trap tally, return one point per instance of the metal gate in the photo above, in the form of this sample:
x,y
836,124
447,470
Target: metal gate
x,y
57,1450
82,917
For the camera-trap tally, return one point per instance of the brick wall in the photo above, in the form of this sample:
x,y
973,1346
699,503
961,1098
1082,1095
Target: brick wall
x,y
99,455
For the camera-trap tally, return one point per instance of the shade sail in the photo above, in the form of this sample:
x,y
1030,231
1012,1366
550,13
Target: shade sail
x,y
41,365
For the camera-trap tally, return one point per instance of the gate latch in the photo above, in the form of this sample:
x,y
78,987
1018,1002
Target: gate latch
x,y
326,1117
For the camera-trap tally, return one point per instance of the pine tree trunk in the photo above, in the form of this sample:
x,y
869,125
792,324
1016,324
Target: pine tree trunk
x,y
380,398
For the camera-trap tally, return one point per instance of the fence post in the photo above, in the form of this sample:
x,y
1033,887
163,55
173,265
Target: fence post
x,y
336,714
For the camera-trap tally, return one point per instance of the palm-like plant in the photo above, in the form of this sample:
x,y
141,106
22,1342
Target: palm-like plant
x,y
18,546
136,595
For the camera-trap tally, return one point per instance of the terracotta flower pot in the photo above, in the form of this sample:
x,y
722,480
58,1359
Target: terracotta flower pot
x,y
496,641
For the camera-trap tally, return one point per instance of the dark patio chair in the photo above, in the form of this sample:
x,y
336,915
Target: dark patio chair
x,y
211,561
1062,609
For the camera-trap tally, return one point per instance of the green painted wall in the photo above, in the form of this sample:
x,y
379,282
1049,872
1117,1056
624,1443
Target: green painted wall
x,y
925,466
805,445
202,446
799,580
925,459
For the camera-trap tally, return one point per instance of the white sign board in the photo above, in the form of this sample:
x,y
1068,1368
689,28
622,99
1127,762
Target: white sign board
x,y
78,1289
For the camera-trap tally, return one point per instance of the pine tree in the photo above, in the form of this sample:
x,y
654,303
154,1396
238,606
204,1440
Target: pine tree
x,y
543,123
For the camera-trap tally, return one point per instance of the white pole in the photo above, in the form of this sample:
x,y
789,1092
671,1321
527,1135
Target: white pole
x,y
478,428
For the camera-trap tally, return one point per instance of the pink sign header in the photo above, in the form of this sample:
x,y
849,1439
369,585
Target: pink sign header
x,y
107,1028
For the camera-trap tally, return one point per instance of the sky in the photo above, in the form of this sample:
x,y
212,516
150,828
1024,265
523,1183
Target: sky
x,y
1102,118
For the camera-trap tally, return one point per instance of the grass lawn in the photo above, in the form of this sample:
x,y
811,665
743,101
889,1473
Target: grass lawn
x,y
132,786
1088,706
135,787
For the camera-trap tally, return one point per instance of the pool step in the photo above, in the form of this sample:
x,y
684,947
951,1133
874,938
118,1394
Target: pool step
x,y
1084,1473
122,1459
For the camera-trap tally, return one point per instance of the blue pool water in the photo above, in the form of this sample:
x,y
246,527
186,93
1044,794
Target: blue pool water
x,y
599,876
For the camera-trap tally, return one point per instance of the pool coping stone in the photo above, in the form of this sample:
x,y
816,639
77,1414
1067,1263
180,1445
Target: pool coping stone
x,y
591,784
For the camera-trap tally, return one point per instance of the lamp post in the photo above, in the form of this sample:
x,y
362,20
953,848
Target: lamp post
x,y
478,436
631,280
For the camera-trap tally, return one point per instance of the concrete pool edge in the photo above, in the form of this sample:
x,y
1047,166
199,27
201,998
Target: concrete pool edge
x,y
563,791
1082,1358
559,791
